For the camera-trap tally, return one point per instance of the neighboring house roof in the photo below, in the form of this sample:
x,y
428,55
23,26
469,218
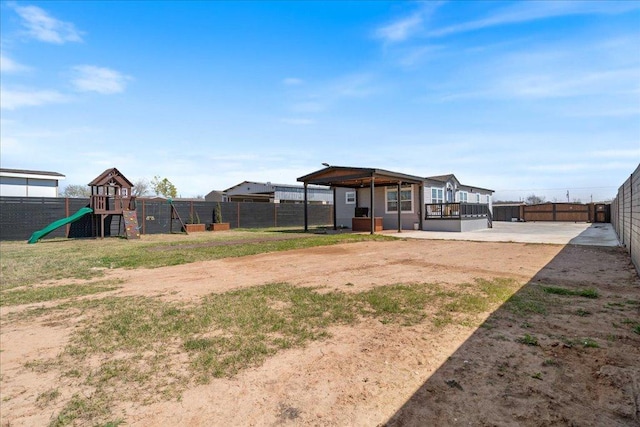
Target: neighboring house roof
x,y
25,173
215,196
111,175
263,188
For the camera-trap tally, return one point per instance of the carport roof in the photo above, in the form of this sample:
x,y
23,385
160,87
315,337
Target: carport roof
x,y
354,177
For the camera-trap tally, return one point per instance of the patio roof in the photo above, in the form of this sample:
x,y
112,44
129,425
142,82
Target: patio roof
x,y
353,177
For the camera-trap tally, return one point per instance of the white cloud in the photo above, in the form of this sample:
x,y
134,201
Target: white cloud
x,y
414,55
292,81
8,65
357,85
531,11
41,26
90,78
13,99
323,97
407,27
400,30
568,84
572,68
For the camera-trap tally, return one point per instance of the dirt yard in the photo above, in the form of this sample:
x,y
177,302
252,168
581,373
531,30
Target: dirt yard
x,y
577,362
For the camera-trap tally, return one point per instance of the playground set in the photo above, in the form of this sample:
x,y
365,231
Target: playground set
x,y
111,196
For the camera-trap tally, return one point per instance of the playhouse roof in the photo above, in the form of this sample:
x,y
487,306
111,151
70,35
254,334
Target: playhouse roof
x,y
111,176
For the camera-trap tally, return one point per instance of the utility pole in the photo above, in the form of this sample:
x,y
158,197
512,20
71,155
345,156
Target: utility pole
x,y
567,196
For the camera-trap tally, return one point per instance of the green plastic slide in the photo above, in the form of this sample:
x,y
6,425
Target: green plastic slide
x,y
59,223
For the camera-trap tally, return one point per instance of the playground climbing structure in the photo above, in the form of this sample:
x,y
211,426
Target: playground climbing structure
x,y
111,197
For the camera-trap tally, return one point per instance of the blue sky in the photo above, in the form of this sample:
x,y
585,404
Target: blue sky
x,y
520,97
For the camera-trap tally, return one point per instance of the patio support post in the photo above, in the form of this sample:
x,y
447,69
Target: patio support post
x,y
373,210
335,220
420,204
399,208
306,212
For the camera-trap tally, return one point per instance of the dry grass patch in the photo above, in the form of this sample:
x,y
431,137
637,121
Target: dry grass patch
x,y
23,264
144,349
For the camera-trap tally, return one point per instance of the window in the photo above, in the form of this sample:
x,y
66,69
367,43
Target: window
x,y
350,197
436,195
406,199
463,196
477,198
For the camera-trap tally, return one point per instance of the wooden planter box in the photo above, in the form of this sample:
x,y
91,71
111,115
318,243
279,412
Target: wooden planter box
x,y
219,226
364,224
193,228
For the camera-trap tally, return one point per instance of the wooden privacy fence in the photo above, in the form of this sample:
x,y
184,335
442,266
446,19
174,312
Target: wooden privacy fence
x,y
571,212
21,216
625,216
567,212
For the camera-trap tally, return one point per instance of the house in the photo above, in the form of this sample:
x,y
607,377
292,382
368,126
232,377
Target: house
x,y
248,191
368,199
29,183
215,196
444,192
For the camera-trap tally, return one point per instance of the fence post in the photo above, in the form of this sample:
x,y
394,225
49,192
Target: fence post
x,y
66,214
622,231
144,218
631,214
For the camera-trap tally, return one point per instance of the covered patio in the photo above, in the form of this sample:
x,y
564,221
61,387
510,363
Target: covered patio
x,y
358,178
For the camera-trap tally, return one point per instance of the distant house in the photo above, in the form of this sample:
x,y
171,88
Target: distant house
x,y
215,196
368,199
29,183
248,191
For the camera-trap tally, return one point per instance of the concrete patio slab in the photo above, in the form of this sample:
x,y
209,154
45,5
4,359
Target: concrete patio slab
x,y
561,233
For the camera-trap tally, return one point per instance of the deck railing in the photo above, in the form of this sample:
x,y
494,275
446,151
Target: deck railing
x,y
102,204
456,210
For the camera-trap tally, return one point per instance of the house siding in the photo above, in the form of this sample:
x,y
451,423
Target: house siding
x,y
485,196
344,212
28,187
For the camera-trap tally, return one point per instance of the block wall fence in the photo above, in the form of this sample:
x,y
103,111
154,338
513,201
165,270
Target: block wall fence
x,y
625,216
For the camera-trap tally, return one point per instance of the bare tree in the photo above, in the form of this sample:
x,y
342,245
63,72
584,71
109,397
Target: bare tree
x,y
141,188
532,199
76,190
